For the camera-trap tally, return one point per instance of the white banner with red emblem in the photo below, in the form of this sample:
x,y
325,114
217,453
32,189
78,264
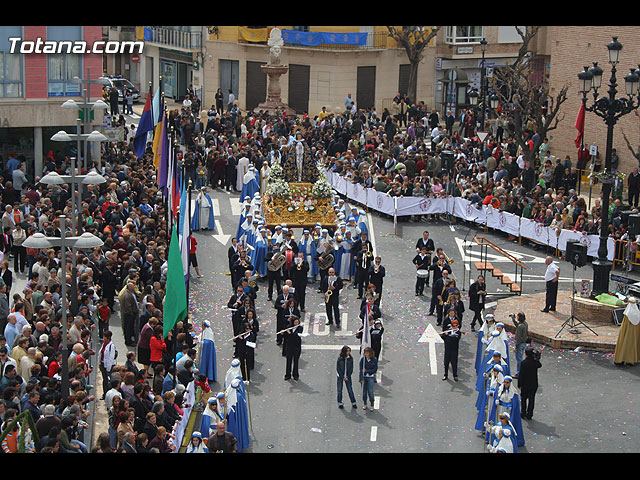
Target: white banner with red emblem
x,y
464,209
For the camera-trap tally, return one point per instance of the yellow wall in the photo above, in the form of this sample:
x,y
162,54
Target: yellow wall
x,y
230,33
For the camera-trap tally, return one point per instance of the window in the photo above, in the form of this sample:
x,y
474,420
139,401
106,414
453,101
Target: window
x,y
300,29
64,66
458,34
10,64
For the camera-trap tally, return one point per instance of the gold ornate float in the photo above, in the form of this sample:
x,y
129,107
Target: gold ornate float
x,y
298,209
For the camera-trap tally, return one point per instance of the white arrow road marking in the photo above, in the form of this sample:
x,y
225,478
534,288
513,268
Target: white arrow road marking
x,y
374,434
221,237
431,337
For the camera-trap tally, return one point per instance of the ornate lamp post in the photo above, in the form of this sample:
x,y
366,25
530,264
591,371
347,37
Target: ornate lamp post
x,y
483,89
610,109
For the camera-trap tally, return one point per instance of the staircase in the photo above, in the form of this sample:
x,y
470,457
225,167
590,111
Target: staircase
x,y
485,267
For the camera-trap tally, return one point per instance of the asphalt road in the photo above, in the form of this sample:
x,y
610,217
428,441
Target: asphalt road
x,y
584,403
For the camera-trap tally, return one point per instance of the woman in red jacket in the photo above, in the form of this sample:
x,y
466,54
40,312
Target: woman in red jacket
x,y
157,346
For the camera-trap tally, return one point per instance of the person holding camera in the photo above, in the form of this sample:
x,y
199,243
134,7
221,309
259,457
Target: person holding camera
x,y
528,382
521,336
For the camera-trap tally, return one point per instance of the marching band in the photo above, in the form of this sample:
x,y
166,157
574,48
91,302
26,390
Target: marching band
x,y
332,257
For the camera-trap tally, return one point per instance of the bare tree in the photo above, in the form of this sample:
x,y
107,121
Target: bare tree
x,y
635,153
414,40
523,102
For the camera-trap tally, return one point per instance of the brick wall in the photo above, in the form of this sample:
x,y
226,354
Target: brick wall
x,y
573,47
36,64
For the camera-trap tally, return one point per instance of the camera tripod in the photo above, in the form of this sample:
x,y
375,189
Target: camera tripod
x,y
572,322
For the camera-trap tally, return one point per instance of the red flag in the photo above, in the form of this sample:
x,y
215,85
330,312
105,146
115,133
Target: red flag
x,y
580,125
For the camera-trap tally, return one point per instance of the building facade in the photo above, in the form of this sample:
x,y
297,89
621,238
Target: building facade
x,y
373,70
33,87
569,49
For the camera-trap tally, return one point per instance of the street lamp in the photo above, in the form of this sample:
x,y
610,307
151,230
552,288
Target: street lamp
x,y
473,97
494,101
86,106
86,240
483,90
610,109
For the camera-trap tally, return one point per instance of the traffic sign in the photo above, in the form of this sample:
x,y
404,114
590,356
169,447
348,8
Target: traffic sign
x,y
135,58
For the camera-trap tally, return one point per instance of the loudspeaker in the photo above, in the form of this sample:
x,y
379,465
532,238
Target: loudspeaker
x,y
624,216
576,253
634,224
618,315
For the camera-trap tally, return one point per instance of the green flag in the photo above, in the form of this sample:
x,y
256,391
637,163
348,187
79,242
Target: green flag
x,y
175,301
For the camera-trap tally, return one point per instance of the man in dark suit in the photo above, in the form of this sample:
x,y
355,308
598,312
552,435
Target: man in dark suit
x,y
130,311
281,303
299,276
528,382
363,262
332,283
128,442
230,179
477,293
438,295
421,261
273,276
233,250
376,275
634,187
425,241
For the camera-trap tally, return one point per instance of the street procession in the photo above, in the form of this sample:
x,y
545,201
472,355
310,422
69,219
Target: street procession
x,y
434,264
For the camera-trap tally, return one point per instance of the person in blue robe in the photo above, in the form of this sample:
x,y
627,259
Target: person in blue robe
x,y
238,414
483,335
361,222
504,436
493,358
338,252
203,216
208,354
487,397
260,252
507,401
308,247
498,343
196,445
243,226
211,416
250,184
347,261
234,371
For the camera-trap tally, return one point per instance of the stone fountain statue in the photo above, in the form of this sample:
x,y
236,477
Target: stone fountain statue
x,y
274,69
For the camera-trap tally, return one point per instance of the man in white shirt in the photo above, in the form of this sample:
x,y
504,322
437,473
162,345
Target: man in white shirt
x,y
551,278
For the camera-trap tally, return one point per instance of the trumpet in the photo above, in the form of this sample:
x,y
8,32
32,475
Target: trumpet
x,y
369,252
446,257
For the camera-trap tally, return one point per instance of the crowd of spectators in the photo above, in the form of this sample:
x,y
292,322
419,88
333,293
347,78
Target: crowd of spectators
x,y
406,150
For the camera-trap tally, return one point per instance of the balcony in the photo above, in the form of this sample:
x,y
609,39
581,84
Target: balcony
x,y
178,39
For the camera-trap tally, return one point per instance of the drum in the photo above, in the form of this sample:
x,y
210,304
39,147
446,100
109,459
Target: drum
x,y
422,273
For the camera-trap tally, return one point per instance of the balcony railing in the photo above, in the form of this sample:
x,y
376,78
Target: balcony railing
x,y
176,38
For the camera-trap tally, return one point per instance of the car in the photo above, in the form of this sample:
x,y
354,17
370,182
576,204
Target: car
x,y
119,82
